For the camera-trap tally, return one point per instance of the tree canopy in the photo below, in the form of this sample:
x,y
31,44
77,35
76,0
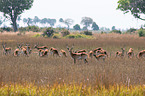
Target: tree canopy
x,y
95,26
136,7
13,8
86,21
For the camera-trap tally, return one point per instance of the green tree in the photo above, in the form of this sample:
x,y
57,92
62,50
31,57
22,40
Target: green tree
x,y
113,28
51,22
136,7
28,21
44,21
77,27
95,26
86,21
68,22
13,8
36,20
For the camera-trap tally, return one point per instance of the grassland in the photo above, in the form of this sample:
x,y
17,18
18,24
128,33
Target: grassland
x,y
58,71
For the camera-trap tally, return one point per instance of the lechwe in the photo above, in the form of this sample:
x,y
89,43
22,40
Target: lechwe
x,y
63,53
78,56
100,56
141,54
6,50
54,51
120,54
130,53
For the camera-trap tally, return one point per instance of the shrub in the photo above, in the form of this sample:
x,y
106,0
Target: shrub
x,y
1,30
87,32
116,31
33,28
56,36
48,32
8,29
65,32
76,36
141,33
37,35
22,29
131,30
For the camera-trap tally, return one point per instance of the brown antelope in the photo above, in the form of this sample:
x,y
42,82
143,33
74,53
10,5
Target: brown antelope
x,y
6,50
28,48
54,51
17,51
91,54
100,56
23,50
121,54
42,47
130,53
80,51
43,52
99,48
101,52
63,53
78,56
141,54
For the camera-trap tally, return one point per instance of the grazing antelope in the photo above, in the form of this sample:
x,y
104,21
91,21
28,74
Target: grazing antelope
x,y
43,52
63,53
101,52
23,50
42,47
141,54
130,53
6,50
54,51
121,54
78,56
100,56
17,51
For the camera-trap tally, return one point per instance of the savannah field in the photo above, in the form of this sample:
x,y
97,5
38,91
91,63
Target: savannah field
x,y
58,75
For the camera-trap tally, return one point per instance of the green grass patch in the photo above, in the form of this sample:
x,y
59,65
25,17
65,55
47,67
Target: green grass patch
x,y
76,36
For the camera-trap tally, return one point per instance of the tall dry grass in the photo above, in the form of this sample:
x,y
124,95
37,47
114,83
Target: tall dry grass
x,y
50,70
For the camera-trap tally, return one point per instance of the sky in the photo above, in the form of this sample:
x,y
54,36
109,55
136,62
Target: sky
x,y
103,12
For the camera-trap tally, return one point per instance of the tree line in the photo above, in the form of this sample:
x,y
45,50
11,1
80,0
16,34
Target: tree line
x,y
12,10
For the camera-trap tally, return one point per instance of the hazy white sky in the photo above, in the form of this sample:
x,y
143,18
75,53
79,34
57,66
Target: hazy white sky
x,y
103,12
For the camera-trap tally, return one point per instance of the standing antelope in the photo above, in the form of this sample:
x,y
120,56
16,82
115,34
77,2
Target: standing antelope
x,y
130,53
99,48
80,51
23,50
63,53
78,56
6,50
141,54
28,48
54,51
121,54
91,54
100,56
42,47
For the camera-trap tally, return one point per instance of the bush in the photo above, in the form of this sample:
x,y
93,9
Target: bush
x,y
87,32
1,30
76,36
33,28
56,36
48,32
37,35
131,30
141,33
116,31
65,32
8,29
22,29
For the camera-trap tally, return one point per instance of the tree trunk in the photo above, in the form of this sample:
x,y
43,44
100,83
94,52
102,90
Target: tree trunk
x,y
14,23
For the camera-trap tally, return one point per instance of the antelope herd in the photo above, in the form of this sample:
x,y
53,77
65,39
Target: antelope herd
x,y
98,53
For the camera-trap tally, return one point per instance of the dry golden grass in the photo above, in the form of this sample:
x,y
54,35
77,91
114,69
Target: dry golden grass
x,y
49,70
